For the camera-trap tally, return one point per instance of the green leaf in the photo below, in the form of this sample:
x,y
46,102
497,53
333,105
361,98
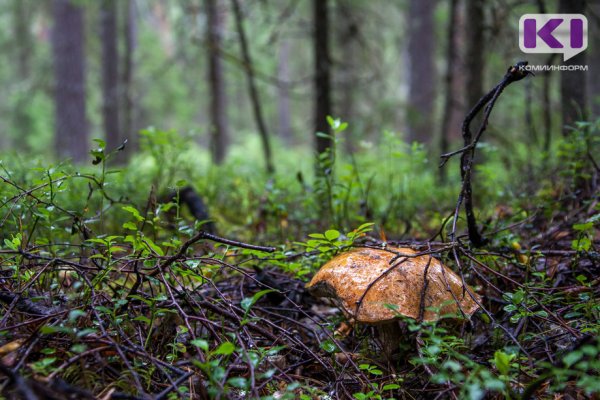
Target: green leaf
x,y
494,384
582,244
78,348
130,225
200,343
153,246
328,346
10,244
502,361
143,319
248,302
510,308
366,227
390,386
76,314
49,329
589,350
572,358
518,297
316,243
134,212
332,234
100,142
225,349
238,382
583,227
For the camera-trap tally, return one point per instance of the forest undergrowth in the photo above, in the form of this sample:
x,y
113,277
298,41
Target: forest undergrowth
x,y
108,290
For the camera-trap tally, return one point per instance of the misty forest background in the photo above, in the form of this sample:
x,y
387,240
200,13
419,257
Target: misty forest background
x,y
107,69
128,126
249,84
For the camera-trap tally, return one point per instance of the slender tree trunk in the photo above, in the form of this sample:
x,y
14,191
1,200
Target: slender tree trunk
x,y
256,105
451,60
593,53
283,92
22,33
421,78
219,131
474,67
128,123
474,57
458,74
322,75
547,105
573,83
71,134
110,77
347,38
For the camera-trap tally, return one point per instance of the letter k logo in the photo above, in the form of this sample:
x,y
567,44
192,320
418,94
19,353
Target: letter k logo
x,y
553,33
545,33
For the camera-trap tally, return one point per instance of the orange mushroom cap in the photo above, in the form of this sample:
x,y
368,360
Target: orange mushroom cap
x,y
365,276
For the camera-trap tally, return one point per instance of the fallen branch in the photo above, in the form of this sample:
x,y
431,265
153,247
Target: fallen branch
x,y
205,235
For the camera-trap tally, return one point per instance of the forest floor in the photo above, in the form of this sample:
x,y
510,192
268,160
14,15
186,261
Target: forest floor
x,y
125,320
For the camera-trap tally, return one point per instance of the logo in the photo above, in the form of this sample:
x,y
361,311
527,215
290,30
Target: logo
x,y
553,33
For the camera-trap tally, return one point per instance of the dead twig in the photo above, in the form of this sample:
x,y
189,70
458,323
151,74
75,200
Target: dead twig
x,y
515,73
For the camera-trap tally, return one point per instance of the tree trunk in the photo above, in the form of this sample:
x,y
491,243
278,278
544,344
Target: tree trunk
x,y
71,128
128,122
22,125
547,107
594,57
573,83
219,132
256,106
322,75
110,77
22,31
451,61
474,67
347,38
474,57
283,92
421,77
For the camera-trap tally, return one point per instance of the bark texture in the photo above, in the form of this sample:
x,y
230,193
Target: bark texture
x,y
475,49
219,130
128,121
110,76
451,60
573,83
71,127
421,49
322,74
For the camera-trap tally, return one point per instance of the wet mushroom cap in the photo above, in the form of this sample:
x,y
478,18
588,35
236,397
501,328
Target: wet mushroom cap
x,y
347,276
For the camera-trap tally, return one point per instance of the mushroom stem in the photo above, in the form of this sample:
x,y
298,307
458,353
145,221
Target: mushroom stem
x,y
390,337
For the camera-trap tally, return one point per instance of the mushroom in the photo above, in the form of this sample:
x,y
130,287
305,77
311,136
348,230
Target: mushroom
x,y
374,286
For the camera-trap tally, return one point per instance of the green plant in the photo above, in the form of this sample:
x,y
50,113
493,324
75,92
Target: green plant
x,y
521,306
